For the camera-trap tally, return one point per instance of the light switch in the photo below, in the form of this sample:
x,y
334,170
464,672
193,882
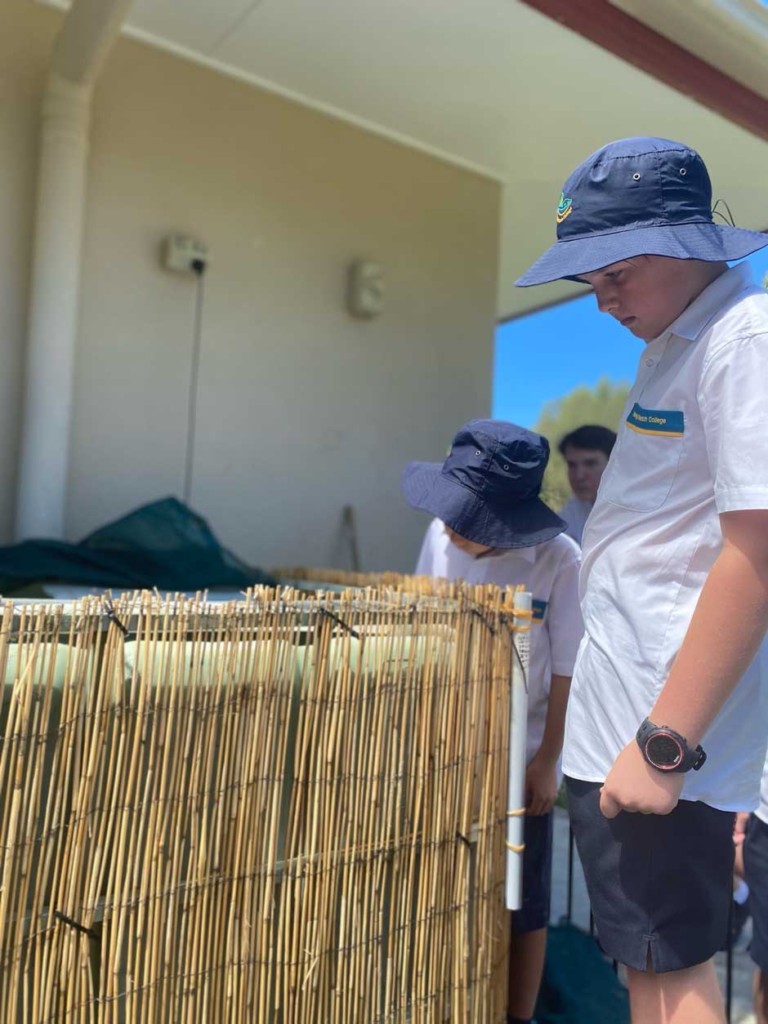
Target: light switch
x,y
365,289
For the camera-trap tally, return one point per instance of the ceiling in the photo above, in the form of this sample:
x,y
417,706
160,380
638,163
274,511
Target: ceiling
x,y
491,85
732,35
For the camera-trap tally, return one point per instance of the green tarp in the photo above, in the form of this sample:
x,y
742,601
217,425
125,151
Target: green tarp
x,y
580,985
163,544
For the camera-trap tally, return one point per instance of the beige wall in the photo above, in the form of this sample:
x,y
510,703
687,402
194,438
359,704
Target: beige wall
x,y
301,409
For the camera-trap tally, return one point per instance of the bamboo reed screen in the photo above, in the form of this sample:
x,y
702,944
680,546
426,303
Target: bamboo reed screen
x,y
287,809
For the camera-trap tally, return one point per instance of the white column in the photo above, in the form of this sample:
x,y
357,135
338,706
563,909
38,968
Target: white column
x,y
53,316
87,34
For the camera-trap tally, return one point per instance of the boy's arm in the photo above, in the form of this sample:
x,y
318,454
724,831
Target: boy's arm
x,y
541,773
564,628
723,637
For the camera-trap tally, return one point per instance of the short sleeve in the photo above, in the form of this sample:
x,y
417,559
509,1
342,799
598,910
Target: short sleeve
x,y
425,564
564,620
733,398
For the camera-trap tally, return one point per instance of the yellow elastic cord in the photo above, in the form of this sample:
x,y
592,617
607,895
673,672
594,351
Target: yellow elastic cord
x,y
522,614
514,846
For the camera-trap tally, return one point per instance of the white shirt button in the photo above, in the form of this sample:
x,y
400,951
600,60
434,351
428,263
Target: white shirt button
x,y
649,362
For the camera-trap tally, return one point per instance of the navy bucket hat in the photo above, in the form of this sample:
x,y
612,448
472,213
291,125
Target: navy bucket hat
x,y
487,490
636,197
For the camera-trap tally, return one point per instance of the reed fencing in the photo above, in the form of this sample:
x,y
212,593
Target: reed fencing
x,y
286,809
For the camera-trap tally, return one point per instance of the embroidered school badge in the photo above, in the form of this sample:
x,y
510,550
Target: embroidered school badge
x,y
658,422
564,208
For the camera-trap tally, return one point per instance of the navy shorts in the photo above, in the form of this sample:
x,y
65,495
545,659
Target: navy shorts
x,y
660,885
537,874
756,874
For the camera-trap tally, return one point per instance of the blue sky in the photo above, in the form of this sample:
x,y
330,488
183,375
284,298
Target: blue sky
x,y
544,356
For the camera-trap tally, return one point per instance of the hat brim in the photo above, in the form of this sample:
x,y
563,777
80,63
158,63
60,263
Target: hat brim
x,y
517,524
570,257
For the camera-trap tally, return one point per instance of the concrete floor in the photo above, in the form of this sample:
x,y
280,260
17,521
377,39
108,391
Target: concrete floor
x,y
741,1006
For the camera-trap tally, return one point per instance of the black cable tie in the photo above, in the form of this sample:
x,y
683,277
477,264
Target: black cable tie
x,y
76,925
464,840
491,629
341,622
113,617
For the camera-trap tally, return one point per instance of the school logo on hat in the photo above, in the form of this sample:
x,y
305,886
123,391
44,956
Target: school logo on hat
x,y
564,208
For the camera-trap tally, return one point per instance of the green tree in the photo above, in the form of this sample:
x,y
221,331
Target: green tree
x,y
601,405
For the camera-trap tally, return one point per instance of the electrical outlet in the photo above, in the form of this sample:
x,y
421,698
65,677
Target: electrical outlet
x,y
180,253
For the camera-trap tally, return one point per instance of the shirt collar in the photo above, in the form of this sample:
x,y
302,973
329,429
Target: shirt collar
x,y
694,318
527,554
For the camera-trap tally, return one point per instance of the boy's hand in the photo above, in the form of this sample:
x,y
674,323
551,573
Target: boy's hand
x,y
540,785
632,785
739,835
740,823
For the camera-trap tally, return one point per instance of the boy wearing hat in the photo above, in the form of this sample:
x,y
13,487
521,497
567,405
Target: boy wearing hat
x,y
492,527
667,721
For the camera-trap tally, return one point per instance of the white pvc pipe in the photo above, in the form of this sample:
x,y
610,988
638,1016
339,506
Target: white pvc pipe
x,y
53,315
81,48
518,730
86,38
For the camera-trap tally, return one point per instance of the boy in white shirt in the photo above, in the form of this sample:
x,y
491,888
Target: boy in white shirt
x,y
586,451
674,581
492,527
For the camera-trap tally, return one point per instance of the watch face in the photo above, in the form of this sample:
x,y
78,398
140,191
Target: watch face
x,y
664,751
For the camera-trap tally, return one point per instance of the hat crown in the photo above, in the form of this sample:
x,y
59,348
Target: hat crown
x,y
498,461
635,183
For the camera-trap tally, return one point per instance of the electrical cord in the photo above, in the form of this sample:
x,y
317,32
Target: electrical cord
x,y
198,266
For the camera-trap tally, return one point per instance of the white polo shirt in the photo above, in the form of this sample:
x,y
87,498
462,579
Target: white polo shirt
x,y
575,512
693,443
550,571
762,809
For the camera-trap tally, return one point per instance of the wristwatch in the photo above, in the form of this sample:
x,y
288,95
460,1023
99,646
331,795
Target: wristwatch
x,y
666,750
